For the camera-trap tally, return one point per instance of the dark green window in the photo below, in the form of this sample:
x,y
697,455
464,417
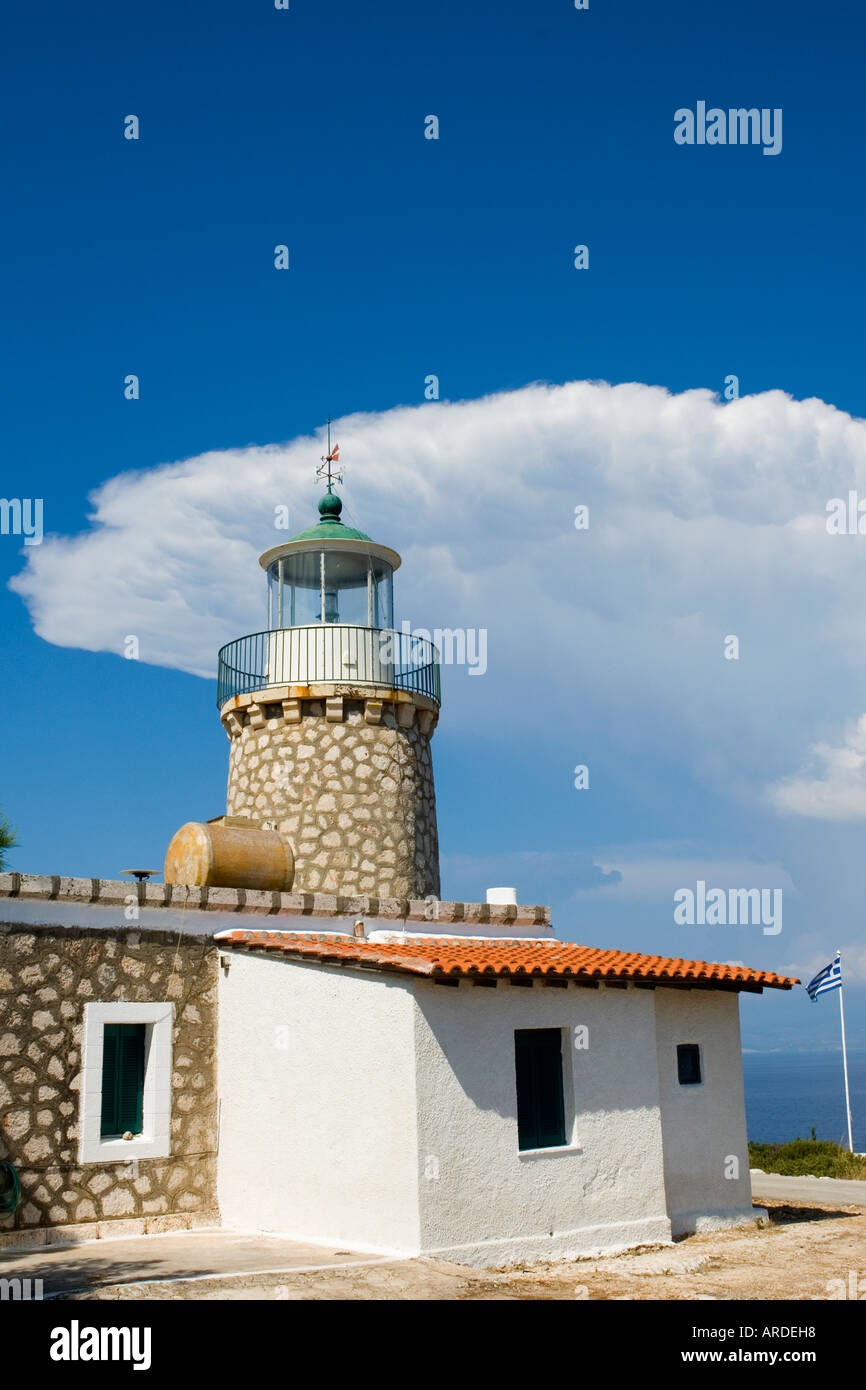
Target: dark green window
x,y
689,1064
122,1078
540,1108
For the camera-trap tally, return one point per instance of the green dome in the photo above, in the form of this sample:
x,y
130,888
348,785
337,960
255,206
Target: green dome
x,y
330,528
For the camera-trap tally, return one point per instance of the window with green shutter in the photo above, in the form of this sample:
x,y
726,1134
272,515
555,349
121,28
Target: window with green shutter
x,y
689,1064
540,1106
122,1078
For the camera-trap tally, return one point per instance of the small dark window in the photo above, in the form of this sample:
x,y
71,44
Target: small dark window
x,y
540,1108
689,1064
122,1078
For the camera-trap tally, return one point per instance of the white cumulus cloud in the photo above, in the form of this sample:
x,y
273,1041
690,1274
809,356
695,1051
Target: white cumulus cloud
x,y
706,520
838,792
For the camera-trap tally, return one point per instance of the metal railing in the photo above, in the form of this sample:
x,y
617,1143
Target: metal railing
x,y
328,653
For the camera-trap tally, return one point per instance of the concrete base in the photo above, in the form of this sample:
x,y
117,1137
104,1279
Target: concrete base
x,y
691,1223
37,1237
170,1262
583,1243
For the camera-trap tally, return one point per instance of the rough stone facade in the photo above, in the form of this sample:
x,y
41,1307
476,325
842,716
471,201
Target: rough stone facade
x,y
350,783
47,975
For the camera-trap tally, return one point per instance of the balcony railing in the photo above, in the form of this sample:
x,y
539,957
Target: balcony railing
x,y
331,653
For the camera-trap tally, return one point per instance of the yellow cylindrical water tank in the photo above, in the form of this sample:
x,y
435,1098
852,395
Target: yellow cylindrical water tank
x,y
226,854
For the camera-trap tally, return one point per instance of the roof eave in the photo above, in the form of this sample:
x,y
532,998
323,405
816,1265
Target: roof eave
x,y
326,543
419,968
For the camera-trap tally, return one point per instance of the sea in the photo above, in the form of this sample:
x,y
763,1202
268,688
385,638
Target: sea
x,y
789,1093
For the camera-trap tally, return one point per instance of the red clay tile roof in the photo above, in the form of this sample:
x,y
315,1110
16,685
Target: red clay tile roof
x,y
438,957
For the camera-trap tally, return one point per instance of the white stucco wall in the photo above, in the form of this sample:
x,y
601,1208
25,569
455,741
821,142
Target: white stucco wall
x,y
484,1202
704,1126
380,1112
318,1105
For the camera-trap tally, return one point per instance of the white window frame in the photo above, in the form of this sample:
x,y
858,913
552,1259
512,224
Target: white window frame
x,y
155,1138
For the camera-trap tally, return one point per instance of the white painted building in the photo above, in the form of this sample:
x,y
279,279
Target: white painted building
x,y
466,1087
378,1094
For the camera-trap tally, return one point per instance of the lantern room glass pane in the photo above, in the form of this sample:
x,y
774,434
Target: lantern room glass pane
x,y
383,595
357,590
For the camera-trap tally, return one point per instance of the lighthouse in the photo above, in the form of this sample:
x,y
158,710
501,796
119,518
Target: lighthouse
x,y
329,713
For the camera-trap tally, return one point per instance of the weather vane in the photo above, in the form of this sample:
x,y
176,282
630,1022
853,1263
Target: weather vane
x,y
326,468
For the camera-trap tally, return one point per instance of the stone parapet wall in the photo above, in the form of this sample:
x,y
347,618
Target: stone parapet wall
x,y
50,898
349,781
47,975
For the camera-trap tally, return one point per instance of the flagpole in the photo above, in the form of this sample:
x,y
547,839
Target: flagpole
x,y
845,1065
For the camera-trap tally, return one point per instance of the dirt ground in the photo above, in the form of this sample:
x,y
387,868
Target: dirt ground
x,y
806,1252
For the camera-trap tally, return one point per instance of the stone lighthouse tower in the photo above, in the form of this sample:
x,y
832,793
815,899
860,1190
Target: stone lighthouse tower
x,y
330,713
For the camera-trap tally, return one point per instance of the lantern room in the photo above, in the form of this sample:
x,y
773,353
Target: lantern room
x,y
330,619
330,573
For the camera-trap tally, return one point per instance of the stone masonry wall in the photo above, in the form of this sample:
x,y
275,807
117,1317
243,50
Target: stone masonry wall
x,y
355,798
47,975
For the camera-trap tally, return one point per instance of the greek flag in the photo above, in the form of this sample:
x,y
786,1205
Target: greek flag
x,y
828,978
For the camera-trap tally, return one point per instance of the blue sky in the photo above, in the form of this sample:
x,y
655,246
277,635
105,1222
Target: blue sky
x,y
453,257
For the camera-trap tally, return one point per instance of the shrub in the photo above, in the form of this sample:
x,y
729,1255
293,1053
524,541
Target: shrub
x,y
8,839
817,1158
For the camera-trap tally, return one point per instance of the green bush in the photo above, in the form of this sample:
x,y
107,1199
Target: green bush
x,y
818,1158
8,839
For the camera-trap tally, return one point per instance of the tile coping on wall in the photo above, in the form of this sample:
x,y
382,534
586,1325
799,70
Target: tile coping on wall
x,y
104,892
